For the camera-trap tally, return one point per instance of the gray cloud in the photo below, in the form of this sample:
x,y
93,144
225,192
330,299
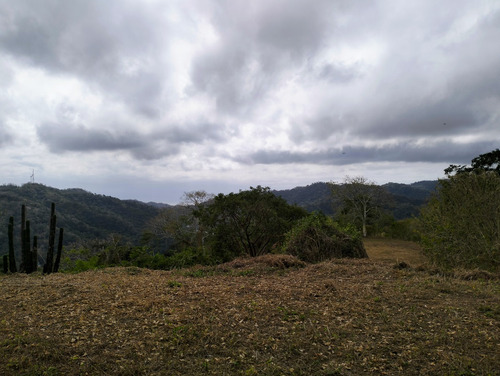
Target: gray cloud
x,y
443,151
69,137
113,45
5,136
258,44
180,83
62,138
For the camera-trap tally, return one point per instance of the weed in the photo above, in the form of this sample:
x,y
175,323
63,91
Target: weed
x,y
173,284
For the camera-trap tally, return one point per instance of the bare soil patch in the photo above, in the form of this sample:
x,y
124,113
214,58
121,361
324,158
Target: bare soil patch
x,y
344,317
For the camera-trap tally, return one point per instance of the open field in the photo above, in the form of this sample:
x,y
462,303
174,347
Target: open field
x,y
269,316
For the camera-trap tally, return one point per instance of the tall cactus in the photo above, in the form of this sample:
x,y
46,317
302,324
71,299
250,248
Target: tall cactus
x,y
5,263
12,257
23,226
52,235
59,250
26,251
34,253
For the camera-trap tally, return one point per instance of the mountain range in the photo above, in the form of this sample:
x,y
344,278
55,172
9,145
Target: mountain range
x,y
87,216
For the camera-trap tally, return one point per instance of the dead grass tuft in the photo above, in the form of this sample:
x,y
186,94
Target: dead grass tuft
x,y
476,274
278,261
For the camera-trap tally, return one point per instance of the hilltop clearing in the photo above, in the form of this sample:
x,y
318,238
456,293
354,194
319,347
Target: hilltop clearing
x,y
263,316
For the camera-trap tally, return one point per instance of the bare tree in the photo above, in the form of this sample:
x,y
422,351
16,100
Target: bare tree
x,y
361,199
196,200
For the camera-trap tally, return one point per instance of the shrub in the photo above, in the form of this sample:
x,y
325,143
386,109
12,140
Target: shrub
x,y
460,227
316,238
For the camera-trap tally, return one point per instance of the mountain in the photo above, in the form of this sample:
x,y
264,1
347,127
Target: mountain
x,y
82,214
407,198
87,216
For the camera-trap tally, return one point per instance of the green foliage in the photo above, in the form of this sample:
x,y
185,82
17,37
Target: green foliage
x,y
484,162
461,224
249,223
404,229
84,265
83,215
316,238
173,229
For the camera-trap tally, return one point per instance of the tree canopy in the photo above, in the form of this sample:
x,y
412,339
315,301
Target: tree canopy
x,y
249,223
484,162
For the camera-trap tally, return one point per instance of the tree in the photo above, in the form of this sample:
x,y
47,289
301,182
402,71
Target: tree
x,y
250,222
361,200
196,200
171,229
484,162
460,226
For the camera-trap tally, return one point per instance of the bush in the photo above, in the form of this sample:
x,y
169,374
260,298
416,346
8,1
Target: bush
x,y
316,238
404,229
460,227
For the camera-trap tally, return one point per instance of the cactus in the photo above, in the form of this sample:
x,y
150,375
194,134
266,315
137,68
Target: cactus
x,y
52,235
5,264
23,227
12,258
34,254
26,251
59,250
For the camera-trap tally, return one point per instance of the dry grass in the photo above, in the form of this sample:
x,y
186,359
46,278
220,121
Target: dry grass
x,y
394,250
252,317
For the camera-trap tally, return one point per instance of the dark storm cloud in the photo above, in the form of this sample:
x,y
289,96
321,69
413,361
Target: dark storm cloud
x,y
443,151
113,45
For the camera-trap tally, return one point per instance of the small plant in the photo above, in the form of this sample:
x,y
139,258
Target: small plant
x,y
174,284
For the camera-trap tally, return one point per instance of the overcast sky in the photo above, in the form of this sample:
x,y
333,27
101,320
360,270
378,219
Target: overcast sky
x,y
149,99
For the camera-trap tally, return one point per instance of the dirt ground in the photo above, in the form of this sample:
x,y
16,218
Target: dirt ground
x,y
266,316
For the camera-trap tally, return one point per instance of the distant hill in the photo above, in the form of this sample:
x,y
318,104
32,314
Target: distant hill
x,y
86,216
407,198
82,214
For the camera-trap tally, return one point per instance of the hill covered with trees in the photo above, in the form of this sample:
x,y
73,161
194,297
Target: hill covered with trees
x,y
83,215
406,199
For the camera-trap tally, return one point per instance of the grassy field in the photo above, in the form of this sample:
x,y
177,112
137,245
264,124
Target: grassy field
x,y
266,316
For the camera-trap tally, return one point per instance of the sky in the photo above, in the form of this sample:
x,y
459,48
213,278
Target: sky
x,y
150,99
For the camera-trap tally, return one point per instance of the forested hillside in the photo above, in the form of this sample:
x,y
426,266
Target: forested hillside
x,y
82,214
87,216
406,198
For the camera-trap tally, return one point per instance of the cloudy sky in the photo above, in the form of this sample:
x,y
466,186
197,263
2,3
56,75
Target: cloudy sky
x,y
149,99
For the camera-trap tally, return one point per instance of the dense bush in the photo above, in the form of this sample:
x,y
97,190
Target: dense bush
x,y
404,229
461,224
316,238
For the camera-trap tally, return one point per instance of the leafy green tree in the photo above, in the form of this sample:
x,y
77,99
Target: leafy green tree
x,y
460,226
361,200
484,162
249,223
